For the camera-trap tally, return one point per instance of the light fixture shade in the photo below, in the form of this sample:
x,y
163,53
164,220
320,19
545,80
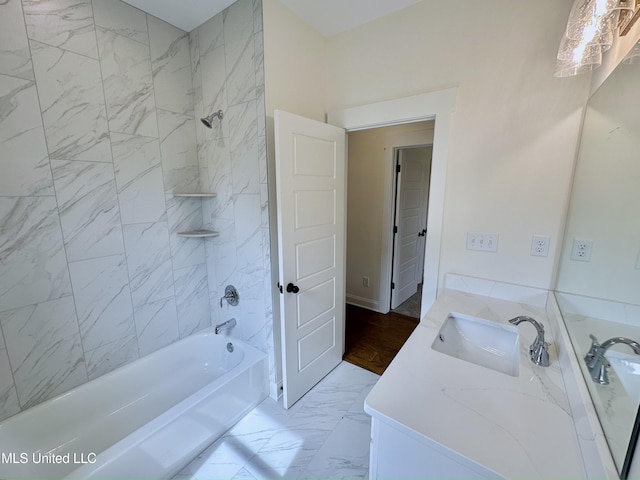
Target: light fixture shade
x,y
589,33
569,68
580,52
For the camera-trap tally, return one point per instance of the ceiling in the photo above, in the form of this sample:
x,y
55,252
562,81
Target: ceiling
x,y
329,17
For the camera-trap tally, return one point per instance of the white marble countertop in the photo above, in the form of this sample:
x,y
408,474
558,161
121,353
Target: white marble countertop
x,y
517,427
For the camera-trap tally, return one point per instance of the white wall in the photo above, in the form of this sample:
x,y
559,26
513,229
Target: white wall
x,y
515,127
294,77
295,67
370,159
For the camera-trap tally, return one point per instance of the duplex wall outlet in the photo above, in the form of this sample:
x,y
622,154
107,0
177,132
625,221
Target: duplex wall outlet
x,y
365,281
483,242
540,246
581,251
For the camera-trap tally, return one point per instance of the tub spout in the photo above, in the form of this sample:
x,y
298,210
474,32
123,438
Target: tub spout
x,y
226,325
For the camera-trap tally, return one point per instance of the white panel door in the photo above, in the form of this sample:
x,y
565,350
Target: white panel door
x,y
310,182
410,220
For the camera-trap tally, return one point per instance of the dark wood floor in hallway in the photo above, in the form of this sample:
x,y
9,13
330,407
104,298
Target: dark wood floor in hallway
x,y
373,339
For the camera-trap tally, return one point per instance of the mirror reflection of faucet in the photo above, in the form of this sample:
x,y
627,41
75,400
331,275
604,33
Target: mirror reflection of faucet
x,y
597,363
539,349
231,296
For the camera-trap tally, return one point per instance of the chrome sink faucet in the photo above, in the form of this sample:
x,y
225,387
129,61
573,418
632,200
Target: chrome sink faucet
x,y
597,362
225,326
539,349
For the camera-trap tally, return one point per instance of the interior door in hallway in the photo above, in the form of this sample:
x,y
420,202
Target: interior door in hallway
x,y
412,191
310,183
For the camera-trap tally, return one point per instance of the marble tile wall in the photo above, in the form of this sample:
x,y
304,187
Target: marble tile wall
x,y
99,109
227,72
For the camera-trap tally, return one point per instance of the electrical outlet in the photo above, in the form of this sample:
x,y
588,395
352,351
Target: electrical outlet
x,y
483,242
540,246
581,251
365,282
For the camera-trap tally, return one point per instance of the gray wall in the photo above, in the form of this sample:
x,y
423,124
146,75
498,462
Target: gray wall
x,y
97,130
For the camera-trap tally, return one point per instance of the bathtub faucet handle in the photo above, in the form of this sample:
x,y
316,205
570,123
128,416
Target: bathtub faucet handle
x,y
231,296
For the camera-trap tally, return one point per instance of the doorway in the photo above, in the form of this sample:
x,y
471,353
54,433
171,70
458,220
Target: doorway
x,y
411,206
385,264
438,105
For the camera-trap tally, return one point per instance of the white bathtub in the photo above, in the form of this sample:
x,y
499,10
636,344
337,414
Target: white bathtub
x,y
148,419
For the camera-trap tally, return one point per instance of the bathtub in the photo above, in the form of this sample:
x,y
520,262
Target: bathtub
x,y
148,419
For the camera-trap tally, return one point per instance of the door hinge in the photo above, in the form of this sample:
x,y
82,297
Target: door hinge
x,y
280,287
393,285
395,229
398,168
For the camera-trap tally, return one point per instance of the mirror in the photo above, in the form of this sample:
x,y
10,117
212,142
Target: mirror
x,y
598,283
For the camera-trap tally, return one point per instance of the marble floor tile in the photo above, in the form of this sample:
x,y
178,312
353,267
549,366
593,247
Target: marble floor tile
x,y
345,454
271,442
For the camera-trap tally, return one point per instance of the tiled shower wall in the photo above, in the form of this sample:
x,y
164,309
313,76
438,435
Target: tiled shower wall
x,y
227,71
97,130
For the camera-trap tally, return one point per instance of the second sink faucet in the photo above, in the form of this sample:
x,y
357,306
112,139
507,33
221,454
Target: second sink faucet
x,y
596,361
539,349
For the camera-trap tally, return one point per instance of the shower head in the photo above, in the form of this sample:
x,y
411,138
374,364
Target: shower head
x,y
207,121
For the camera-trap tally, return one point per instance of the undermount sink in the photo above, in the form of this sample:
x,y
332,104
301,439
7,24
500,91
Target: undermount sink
x,y
628,372
480,341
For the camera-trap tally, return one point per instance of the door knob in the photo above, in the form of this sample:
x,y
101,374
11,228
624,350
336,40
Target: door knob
x,y
291,288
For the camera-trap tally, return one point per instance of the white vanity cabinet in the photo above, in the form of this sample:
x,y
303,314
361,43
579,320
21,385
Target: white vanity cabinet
x,y
399,453
435,415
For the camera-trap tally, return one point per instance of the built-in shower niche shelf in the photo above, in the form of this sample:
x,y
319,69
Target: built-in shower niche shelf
x,y
197,195
198,234
201,233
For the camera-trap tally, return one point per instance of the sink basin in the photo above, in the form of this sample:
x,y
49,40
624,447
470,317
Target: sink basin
x,y
480,341
628,372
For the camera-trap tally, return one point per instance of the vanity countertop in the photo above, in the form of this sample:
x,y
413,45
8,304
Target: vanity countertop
x,y
517,427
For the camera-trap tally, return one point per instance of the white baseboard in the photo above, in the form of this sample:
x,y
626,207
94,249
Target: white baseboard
x,y
367,303
275,390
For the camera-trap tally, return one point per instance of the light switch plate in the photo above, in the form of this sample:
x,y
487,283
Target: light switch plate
x,y
482,242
